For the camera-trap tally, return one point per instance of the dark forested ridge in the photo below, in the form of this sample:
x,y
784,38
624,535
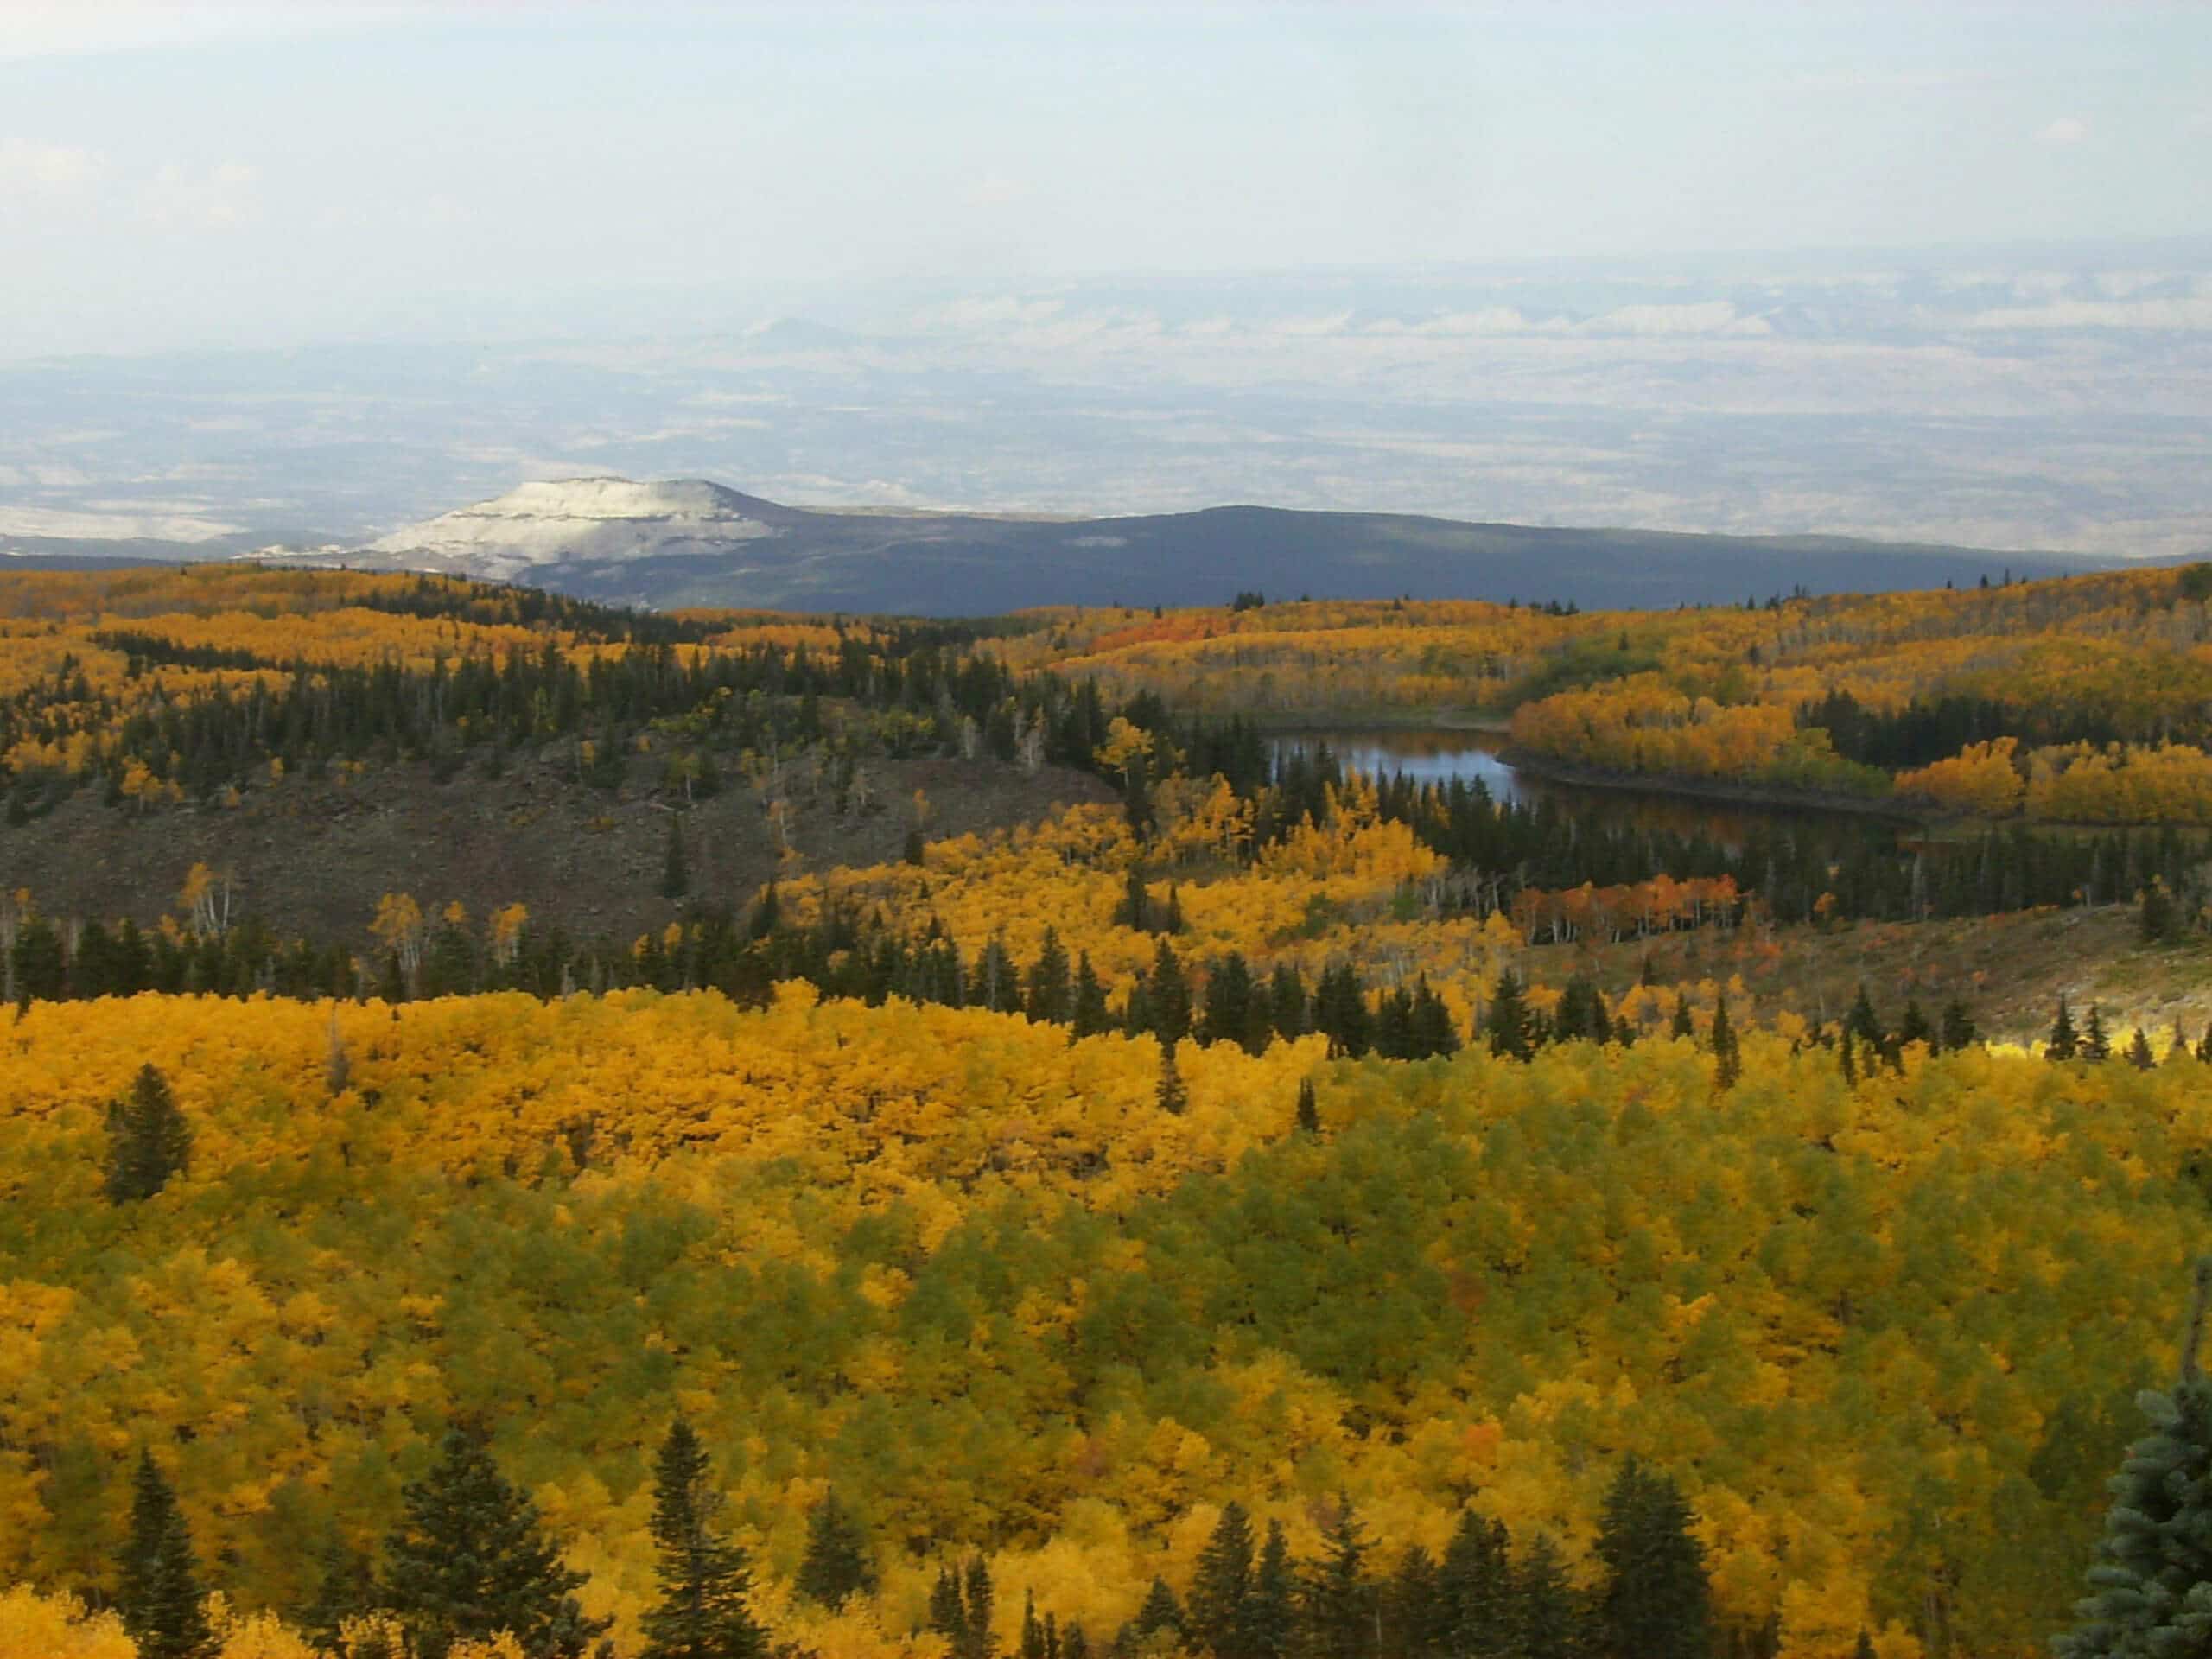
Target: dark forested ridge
x,y
950,564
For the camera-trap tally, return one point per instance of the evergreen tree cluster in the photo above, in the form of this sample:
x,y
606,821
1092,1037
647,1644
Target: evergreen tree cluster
x,y
1249,1599
1922,731
2091,1043
471,1558
908,689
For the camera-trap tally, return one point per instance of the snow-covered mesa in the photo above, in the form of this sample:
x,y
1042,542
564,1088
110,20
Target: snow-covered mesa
x,y
577,520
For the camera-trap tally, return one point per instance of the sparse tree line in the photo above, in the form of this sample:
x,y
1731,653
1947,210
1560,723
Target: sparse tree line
x,y
906,689
471,1571
1922,731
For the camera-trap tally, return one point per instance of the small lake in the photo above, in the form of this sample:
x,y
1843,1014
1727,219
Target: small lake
x,y
1439,756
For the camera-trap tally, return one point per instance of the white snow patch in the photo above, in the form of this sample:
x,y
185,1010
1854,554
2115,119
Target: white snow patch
x,y
560,521
110,526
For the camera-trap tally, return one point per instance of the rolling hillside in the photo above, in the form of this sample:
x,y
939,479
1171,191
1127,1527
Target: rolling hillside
x,y
689,543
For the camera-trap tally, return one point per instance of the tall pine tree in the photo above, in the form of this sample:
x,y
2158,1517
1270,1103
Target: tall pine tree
x,y
1339,1603
2064,1043
2151,1588
1221,1587
469,1560
149,1140
703,1579
1507,1023
836,1565
157,1584
1548,1619
1656,1602
1727,1062
1271,1611
1475,1583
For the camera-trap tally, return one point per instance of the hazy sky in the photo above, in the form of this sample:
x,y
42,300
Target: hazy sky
x,y
183,175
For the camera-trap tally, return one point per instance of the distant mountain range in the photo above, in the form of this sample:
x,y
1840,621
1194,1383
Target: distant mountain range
x,y
684,542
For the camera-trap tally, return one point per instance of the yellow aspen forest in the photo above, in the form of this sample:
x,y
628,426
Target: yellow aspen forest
x,y
905,1252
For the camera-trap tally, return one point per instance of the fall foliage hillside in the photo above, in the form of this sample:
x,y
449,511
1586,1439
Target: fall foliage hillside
x,y
944,1121
981,1283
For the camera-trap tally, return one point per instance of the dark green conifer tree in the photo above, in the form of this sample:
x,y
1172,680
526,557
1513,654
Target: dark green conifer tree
x,y
1433,1032
836,1565
1340,1010
1506,1024
1394,1021
1913,1027
41,972
2096,1044
157,1588
978,1598
2151,1588
1271,1618
1727,1062
1170,1096
1048,995
949,1610
703,1579
1160,1612
1221,1585
1656,1602
1288,1009
2139,1051
1863,1022
1135,911
1414,1624
1847,1057
2063,1044
1137,1012
1476,1585
1337,1605
149,1140
1682,1025
1228,1007
1309,1108
469,1558
1958,1026
1087,1013
1549,1620
1171,995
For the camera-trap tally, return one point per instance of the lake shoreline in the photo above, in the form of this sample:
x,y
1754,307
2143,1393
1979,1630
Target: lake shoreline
x,y
1676,787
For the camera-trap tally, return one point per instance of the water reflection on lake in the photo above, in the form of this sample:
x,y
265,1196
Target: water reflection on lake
x,y
1438,756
